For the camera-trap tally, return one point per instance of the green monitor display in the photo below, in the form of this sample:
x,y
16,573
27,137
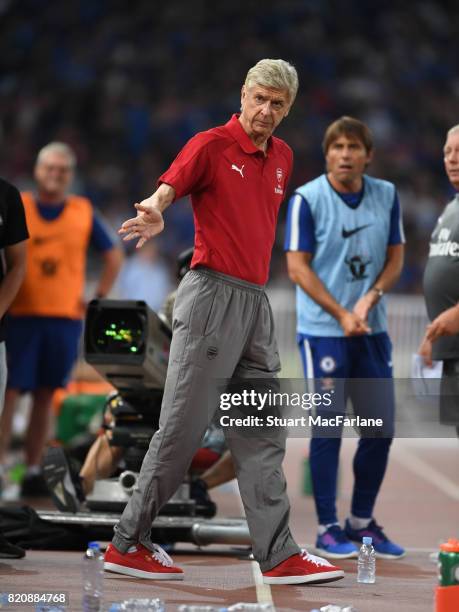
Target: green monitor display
x,y
117,331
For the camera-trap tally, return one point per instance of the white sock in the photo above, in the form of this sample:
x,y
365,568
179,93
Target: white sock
x,y
33,470
323,528
132,549
359,523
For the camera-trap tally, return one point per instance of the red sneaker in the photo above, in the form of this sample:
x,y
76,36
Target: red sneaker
x,y
303,568
142,563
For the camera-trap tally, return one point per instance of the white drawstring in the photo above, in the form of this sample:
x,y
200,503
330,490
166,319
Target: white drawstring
x,y
313,559
161,556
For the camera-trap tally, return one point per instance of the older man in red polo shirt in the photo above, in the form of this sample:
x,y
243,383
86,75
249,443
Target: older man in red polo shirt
x,y
237,176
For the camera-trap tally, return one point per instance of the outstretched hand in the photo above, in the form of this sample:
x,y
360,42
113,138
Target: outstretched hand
x,y
148,223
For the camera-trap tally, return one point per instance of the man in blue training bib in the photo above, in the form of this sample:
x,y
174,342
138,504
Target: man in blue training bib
x,y
344,246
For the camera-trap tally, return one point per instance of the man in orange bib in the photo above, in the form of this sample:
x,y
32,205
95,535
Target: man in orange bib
x,y
46,317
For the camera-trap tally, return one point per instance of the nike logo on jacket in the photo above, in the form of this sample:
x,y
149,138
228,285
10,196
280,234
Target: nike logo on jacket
x,y
346,233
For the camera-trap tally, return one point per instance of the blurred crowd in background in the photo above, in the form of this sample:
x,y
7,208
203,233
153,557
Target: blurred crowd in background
x,y
127,83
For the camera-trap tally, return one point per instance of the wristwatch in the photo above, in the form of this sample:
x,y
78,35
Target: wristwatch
x,y
379,291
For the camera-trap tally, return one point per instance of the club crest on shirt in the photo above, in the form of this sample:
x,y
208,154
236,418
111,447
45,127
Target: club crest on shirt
x,y
279,177
49,267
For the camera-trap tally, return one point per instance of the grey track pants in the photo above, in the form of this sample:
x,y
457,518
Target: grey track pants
x,y
222,327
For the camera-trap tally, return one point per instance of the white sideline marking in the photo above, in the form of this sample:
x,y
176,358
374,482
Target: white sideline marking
x,y
425,471
263,590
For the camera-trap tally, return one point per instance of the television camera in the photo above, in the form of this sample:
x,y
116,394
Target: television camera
x,y
128,344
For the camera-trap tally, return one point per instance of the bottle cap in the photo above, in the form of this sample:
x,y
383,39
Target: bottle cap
x,y
452,545
367,540
94,545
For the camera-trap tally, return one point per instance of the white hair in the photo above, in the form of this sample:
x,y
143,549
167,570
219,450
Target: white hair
x,y
276,74
58,147
452,130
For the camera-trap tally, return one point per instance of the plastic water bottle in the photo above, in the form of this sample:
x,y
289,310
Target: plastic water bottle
x,y
93,575
366,563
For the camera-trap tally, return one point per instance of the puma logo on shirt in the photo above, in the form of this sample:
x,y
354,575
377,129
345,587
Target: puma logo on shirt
x,y
234,167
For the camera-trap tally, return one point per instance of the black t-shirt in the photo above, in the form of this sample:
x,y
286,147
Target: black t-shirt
x,y
441,276
13,228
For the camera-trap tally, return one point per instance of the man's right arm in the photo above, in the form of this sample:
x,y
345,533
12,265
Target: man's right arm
x,y
161,198
302,274
190,171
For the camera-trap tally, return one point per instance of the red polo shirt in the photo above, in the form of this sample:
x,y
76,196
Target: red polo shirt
x,y
236,192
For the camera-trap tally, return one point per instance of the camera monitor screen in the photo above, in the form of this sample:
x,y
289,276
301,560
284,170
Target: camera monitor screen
x,y
117,331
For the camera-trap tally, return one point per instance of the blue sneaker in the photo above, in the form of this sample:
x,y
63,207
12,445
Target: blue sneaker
x,y
334,544
385,549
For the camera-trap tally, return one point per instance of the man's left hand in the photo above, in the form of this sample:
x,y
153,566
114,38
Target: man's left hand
x,y
446,324
365,304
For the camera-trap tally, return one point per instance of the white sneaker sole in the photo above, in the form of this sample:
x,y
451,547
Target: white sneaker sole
x,y
136,573
330,555
385,556
306,578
